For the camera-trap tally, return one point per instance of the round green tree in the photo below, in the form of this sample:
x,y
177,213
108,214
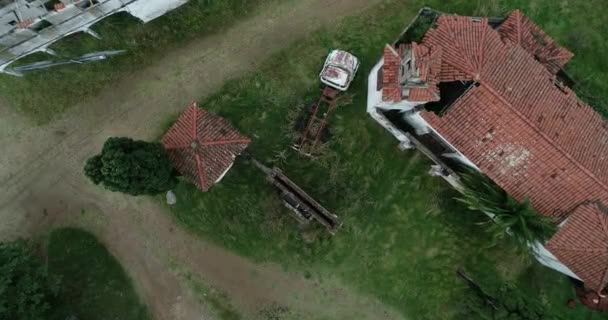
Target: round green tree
x,y
132,167
26,289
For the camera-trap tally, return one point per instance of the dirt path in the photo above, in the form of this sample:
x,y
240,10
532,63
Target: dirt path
x,y
41,184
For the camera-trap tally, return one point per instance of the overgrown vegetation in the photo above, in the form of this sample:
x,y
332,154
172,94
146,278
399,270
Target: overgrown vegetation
x,y
403,235
507,218
505,302
132,167
418,28
217,301
27,291
94,285
80,280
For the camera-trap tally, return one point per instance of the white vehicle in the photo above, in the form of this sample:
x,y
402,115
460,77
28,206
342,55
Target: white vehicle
x,y
339,70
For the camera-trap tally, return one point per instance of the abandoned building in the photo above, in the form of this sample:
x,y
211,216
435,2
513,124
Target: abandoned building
x,y
30,26
203,146
491,95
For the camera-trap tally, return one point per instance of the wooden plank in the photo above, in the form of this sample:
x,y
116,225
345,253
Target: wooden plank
x,y
322,215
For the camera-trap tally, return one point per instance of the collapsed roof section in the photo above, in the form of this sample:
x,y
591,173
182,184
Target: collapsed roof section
x,y
410,72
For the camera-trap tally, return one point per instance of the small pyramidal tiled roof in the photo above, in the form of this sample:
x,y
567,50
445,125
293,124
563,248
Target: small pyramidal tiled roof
x,y
203,146
582,244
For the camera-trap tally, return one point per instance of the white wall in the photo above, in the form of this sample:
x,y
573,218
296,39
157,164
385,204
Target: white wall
x,y
374,102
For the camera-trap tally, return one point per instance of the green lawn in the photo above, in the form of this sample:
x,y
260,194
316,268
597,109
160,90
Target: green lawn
x,y
403,237
94,285
42,95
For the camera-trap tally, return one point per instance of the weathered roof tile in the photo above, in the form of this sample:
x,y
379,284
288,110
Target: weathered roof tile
x,y
203,146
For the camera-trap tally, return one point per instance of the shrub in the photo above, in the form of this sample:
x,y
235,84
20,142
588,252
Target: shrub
x,y
132,167
26,289
507,217
502,303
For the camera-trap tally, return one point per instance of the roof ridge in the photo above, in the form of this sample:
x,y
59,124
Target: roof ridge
x,y
456,44
393,51
481,52
194,109
572,249
203,180
518,17
544,135
603,221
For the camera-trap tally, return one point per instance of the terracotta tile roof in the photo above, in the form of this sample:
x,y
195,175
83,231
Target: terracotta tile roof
x,y
528,133
203,146
464,43
391,90
427,62
500,141
522,31
582,244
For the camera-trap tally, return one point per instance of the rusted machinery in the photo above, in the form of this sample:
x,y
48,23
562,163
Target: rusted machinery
x,y
338,72
302,207
317,122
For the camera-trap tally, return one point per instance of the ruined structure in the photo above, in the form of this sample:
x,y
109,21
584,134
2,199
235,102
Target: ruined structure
x,y
29,26
316,124
490,95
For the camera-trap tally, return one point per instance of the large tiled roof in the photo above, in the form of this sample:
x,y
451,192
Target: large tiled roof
x,y
203,146
582,244
520,126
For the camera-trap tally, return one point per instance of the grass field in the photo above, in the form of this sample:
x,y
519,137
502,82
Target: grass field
x,y
403,237
42,95
94,285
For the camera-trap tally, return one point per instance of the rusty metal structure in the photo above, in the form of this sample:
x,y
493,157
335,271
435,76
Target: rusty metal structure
x,y
339,71
317,122
302,206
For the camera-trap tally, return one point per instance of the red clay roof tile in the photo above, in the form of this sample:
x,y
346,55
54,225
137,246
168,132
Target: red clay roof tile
x,y
582,244
203,146
522,31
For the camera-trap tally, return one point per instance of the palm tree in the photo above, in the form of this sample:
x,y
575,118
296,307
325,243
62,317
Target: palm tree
x,y
507,218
